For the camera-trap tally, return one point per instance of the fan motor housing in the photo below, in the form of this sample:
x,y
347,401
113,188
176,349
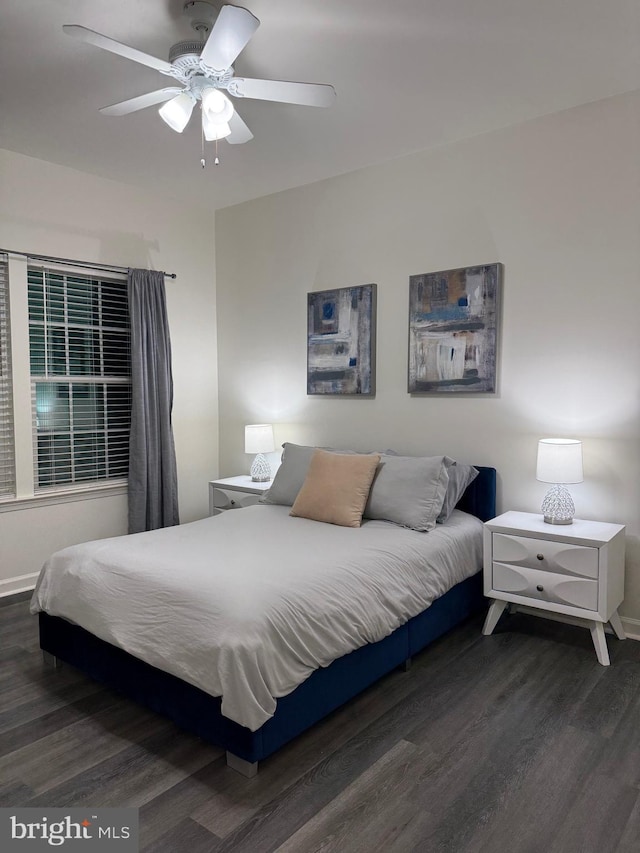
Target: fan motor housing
x,y
185,51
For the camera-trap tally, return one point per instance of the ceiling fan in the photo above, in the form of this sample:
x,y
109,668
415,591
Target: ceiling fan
x,y
203,69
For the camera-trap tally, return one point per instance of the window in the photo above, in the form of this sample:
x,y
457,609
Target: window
x,y
7,459
80,365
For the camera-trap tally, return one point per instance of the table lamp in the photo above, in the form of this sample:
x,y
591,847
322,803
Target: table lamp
x,y
258,438
559,462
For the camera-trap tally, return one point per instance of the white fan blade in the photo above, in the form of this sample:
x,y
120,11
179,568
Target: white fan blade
x,y
91,37
305,94
231,32
141,102
239,131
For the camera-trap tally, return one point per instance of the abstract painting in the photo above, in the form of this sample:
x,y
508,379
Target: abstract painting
x,y
341,345
453,330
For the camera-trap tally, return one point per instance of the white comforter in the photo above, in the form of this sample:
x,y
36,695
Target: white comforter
x,y
246,605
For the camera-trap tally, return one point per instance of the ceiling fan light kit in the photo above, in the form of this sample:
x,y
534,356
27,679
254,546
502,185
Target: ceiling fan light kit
x,y
214,130
203,69
216,105
177,112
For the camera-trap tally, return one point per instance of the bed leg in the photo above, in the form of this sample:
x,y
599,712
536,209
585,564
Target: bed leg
x,y
240,765
405,666
51,660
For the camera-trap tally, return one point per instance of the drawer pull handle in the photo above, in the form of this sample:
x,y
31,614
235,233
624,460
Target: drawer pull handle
x,y
540,588
540,556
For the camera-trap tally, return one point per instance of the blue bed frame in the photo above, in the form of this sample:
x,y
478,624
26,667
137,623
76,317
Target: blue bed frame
x,y
324,691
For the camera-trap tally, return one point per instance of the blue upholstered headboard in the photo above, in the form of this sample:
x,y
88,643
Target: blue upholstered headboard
x,y
480,497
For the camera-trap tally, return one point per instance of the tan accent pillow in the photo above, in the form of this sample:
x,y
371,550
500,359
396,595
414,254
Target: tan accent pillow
x,y
336,488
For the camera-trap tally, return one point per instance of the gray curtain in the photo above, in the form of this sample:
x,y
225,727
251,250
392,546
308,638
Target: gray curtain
x,y
153,481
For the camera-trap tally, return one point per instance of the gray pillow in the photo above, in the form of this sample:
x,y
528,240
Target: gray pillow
x,y
409,490
460,476
290,475
292,472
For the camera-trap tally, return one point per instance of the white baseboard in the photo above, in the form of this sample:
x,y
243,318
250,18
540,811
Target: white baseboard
x,y
21,583
631,627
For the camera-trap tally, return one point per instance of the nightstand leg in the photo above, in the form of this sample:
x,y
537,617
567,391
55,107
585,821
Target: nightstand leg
x,y
616,624
495,612
600,642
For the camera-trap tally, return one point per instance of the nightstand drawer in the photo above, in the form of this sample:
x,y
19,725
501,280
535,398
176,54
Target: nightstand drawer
x,y
546,556
232,499
545,586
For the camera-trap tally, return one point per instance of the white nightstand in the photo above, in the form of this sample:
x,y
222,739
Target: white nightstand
x,y
235,493
573,572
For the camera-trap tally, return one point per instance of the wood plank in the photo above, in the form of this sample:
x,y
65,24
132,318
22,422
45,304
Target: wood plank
x,y
597,818
621,762
62,755
24,733
13,792
602,708
135,775
358,819
46,696
187,835
162,813
631,833
473,800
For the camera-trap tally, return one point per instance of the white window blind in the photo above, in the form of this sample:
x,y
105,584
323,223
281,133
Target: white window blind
x,y
80,377
7,456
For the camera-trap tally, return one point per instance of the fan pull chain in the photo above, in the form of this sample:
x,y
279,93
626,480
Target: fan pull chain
x,y
203,162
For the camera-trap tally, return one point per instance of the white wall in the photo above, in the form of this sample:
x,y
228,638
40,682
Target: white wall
x,y
557,201
49,209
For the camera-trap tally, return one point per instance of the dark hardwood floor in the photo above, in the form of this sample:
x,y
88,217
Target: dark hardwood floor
x,y
516,742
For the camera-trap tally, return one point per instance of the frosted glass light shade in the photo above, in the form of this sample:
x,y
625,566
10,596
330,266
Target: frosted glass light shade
x,y
559,460
258,438
214,130
177,112
216,106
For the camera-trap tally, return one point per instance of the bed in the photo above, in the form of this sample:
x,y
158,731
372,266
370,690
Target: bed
x,y
251,723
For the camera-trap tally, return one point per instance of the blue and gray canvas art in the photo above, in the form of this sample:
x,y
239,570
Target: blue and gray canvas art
x,y
341,341
453,319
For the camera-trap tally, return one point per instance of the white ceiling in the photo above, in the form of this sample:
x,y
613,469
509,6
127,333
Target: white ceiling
x,y
410,74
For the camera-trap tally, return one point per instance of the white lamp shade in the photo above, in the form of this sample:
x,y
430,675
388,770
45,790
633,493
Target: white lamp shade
x,y
559,460
216,106
177,112
214,130
258,438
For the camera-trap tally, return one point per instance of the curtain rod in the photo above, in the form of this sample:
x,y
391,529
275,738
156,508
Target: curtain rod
x,y
71,263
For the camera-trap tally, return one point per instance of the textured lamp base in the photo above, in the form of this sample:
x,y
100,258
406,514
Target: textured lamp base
x,y
260,469
557,506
